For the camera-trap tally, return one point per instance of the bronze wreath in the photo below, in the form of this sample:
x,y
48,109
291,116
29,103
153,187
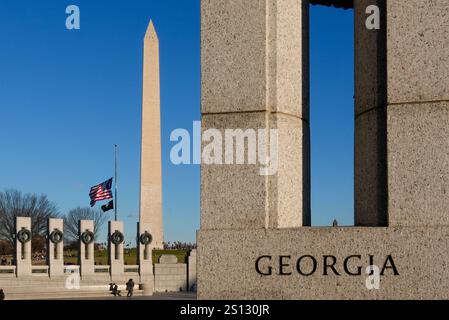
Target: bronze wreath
x,y
24,235
145,238
87,237
117,237
56,236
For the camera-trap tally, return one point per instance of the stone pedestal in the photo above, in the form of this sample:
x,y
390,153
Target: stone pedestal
x,y
170,275
86,254
418,254
55,253
116,258
23,250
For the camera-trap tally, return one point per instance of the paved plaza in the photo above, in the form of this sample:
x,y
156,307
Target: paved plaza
x,y
156,296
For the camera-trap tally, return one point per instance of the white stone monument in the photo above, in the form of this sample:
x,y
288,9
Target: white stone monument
x,y
86,253
145,257
116,258
151,167
23,246
55,254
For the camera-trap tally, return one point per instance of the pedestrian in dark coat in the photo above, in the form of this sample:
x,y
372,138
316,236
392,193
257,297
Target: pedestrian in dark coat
x,y
130,287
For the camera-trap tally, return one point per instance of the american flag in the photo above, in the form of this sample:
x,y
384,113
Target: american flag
x,y
100,192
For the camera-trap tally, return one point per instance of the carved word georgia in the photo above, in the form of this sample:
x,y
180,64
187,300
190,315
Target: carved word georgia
x,y
308,265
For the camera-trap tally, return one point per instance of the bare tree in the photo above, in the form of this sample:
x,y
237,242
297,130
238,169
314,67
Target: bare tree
x,y
71,222
14,204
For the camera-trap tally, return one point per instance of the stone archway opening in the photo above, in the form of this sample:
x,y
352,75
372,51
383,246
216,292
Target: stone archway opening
x,y
332,107
370,192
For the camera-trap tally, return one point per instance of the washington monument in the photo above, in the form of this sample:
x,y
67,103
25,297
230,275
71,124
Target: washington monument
x,y
151,167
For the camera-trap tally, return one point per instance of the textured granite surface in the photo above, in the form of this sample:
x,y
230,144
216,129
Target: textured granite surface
x,y
226,263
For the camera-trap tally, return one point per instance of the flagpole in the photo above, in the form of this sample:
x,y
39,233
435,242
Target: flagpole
x,y
115,204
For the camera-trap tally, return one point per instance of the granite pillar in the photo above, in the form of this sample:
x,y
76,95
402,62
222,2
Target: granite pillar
x,y
255,79
23,249
145,257
370,172
86,253
116,257
418,112
55,247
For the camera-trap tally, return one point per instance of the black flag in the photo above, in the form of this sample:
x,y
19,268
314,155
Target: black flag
x,y
108,206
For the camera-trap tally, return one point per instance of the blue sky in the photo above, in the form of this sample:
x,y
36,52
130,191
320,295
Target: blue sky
x,y
66,97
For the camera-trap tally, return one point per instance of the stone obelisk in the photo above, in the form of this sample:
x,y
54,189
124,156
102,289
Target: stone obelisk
x,y
151,167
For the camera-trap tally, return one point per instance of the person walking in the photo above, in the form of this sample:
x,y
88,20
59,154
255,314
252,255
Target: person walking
x,y
2,295
130,288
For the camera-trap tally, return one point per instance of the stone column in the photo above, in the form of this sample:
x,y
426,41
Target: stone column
x,y
191,271
370,117
23,250
418,112
116,258
255,77
145,257
255,85
86,254
55,253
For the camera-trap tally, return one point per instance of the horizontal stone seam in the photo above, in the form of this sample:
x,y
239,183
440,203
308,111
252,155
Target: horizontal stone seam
x,y
302,228
417,102
290,115
253,111
330,228
368,111
399,104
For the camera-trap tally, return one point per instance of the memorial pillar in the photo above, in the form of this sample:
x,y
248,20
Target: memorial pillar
x,y
86,243
115,241
23,246
370,146
255,172
255,98
55,254
145,256
418,112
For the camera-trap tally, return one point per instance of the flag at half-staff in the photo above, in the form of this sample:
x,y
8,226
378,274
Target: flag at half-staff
x,y
100,192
